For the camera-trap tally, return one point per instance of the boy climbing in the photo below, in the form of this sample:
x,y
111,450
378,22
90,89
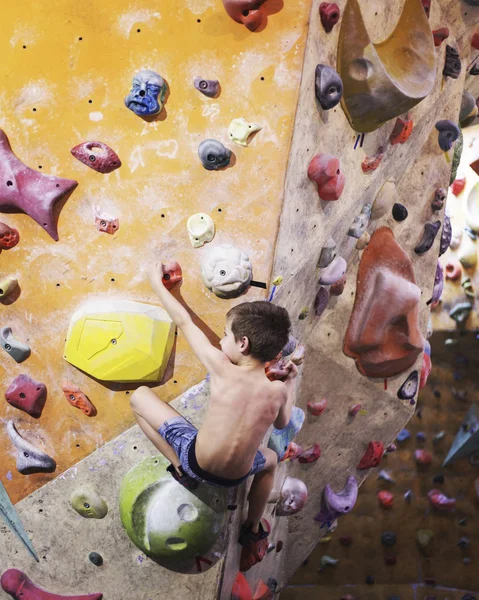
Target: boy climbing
x,y
243,405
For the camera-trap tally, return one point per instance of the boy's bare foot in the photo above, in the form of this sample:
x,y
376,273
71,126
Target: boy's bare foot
x,y
255,545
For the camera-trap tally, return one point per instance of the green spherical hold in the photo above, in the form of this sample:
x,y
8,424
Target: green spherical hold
x,y
165,520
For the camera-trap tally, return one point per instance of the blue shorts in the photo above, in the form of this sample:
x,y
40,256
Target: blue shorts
x,y
180,434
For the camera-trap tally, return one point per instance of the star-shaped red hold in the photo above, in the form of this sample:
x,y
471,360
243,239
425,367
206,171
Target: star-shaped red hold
x,y
29,191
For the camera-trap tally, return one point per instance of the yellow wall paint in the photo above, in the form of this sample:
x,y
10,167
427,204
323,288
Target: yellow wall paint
x,y
58,74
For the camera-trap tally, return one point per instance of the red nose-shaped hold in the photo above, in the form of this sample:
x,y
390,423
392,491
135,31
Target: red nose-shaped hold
x,y
329,13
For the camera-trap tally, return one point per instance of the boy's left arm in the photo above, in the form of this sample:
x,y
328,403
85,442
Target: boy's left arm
x,y
284,415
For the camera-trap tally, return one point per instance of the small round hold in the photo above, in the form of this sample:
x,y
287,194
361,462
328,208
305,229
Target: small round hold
x,y
399,212
208,87
388,539
95,559
214,155
409,387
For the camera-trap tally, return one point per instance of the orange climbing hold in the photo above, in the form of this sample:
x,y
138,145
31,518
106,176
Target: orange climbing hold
x,y
262,592
78,399
371,163
372,456
385,499
425,371
401,132
440,35
293,451
241,589
172,274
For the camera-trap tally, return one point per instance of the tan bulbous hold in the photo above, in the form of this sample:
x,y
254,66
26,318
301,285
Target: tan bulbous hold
x,y
383,335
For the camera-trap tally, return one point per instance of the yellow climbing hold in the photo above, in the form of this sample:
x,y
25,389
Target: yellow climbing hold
x,y
278,280
240,130
7,285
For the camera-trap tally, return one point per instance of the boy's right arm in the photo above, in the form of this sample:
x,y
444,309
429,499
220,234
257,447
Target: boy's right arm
x,y
284,414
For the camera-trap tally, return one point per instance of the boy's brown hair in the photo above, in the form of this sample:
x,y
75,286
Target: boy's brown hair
x,y
264,324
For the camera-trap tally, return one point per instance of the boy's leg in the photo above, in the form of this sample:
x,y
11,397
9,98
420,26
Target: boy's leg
x,y
151,412
261,489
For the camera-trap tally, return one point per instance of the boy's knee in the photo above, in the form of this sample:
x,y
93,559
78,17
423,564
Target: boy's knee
x,y
138,396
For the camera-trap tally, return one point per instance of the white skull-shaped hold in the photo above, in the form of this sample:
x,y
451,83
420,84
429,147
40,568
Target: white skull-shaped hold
x,y
226,271
293,496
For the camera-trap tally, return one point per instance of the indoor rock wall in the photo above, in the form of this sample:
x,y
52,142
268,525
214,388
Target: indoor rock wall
x,y
415,169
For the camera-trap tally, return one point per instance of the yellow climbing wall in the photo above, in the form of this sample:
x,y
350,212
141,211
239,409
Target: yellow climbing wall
x,y
66,68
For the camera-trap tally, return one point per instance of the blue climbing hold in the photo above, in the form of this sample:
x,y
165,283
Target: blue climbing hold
x,y
280,439
403,435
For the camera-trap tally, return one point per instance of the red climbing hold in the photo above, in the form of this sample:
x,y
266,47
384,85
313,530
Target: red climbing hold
x,y
329,13
427,6
475,41
371,163
440,35
401,132
441,502
425,371
458,186
325,171
28,395
423,457
20,587
316,408
241,589
310,455
276,369
78,399
9,237
172,274
262,592
385,499
372,456
292,452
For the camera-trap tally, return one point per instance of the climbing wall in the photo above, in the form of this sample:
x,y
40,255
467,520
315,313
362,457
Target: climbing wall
x,y
160,184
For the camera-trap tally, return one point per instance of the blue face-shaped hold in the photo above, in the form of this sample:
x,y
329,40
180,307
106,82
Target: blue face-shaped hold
x,y
148,91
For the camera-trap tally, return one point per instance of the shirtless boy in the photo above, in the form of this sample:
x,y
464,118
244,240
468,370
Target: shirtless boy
x,y
243,405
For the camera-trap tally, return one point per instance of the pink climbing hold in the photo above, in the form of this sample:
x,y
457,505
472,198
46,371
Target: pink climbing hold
x,y
385,499
30,191
425,371
27,395
329,13
372,456
423,457
325,171
441,502
354,409
316,408
292,452
20,587
97,155
9,237
310,455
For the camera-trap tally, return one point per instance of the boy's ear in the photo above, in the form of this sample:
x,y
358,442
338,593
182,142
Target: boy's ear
x,y
245,345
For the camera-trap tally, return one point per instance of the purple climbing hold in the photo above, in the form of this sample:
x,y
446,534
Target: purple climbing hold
x,y
334,271
409,388
420,436
428,237
438,284
335,504
446,236
321,301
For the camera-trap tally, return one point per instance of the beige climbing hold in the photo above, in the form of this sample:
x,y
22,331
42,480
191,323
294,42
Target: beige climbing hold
x,y
384,200
363,241
201,229
7,286
472,208
240,130
467,253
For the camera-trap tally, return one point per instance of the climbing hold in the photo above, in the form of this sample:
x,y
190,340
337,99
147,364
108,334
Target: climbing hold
x,y
386,296
334,272
438,478
337,288
241,589
310,455
9,237
458,186
408,389
325,171
460,312
293,496
304,313
147,94
328,254
403,435
424,539
321,301
328,561
20,587
439,199
464,543
384,199
201,229
240,130
96,559
214,155
354,409
429,235
408,496
474,69
371,163
297,357
385,80
29,191
346,541
328,86
426,4
475,36
452,66
29,458
316,408
372,456
263,591
292,452
277,369
446,235
106,222
17,350
360,222
438,437
388,539
468,111
329,13
438,284
27,394
448,134
391,448
383,475
172,274
208,87
385,499
226,271
399,212
468,288
78,399
253,15
456,158
423,457
441,502
280,439
336,504
401,131
363,241
466,442
97,155
467,253
7,286
290,346
279,546
87,503
425,370
472,208
440,35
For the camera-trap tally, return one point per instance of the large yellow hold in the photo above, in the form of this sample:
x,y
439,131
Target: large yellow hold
x,y
120,340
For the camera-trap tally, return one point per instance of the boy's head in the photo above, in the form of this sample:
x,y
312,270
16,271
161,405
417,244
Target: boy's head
x,y
259,329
